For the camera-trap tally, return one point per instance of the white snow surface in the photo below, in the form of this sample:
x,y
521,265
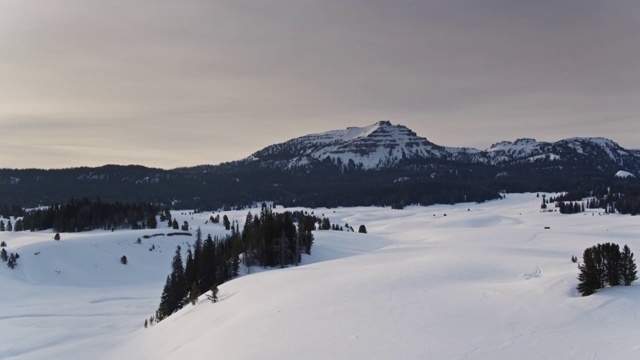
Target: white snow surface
x,y
465,281
624,174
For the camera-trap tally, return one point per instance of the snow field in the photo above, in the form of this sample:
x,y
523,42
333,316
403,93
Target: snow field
x,y
485,281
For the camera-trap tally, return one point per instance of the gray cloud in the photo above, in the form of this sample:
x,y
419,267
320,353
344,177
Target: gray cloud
x,y
170,83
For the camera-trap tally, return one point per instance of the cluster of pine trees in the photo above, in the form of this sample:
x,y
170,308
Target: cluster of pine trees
x,y
10,227
572,207
628,205
269,239
605,264
86,215
212,261
272,239
622,197
10,259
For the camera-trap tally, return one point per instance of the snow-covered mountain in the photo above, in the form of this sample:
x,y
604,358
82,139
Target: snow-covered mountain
x,y
595,148
384,145
377,146
324,170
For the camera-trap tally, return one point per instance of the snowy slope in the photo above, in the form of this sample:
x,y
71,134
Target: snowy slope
x,y
485,281
67,298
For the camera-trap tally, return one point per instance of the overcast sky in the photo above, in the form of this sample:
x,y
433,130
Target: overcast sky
x,y
179,83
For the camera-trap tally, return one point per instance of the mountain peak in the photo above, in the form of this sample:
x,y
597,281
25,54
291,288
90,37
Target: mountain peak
x,y
379,145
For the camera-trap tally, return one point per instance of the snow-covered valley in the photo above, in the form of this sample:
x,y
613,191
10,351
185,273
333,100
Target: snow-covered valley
x,y
465,281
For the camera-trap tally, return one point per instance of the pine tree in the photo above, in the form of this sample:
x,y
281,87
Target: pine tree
x,y
179,283
214,293
628,266
3,255
167,215
589,278
56,236
9,226
325,224
123,260
19,225
2,228
13,260
234,252
612,263
190,269
165,301
362,229
197,250
152,223
207,264
174,290
306,224
226,222
194,293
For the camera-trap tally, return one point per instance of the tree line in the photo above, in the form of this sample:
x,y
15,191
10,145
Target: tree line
x,y
622,197
85,215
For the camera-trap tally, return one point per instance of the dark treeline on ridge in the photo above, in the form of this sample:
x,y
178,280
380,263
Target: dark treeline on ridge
x,y
622,197
86,215
267,239
323,185
224,186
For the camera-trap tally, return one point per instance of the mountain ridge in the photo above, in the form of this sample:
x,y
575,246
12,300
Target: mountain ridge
x,y
382,145
380,164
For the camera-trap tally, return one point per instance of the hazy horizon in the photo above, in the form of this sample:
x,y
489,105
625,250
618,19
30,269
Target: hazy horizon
x,y
171,84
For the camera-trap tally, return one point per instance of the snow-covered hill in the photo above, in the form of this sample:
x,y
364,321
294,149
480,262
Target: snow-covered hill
x,y
474,281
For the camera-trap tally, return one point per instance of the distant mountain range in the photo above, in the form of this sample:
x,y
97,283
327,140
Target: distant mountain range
x,y
380,164
384,145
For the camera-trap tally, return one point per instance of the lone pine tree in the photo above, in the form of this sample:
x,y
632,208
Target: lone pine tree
x,y
194,293
628,270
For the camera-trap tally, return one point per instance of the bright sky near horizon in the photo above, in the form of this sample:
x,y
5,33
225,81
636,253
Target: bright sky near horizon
x,y
178,83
